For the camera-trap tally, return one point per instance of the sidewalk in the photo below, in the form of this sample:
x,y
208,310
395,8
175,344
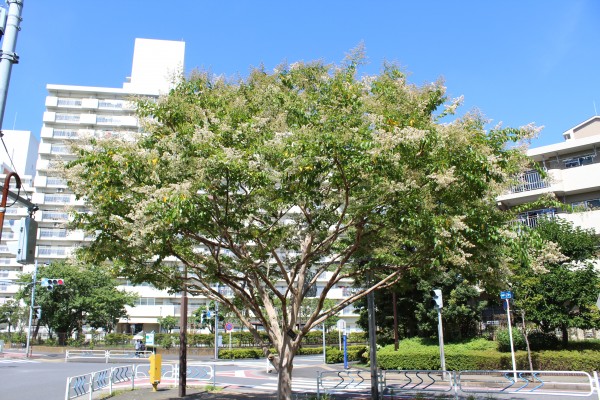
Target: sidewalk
x,y
191,394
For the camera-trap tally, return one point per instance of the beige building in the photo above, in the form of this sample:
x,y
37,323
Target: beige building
x,y
573,169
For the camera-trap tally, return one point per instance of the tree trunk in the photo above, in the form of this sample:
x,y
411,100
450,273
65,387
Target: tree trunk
x,y
284,380
565,334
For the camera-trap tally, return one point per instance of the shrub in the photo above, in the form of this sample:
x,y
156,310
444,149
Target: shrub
x,y
542,341
120,339
306,351
241,353
78,342
165,340
587,360
355,353
503,340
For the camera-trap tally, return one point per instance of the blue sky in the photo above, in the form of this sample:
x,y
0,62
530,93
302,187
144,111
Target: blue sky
x,y
516,61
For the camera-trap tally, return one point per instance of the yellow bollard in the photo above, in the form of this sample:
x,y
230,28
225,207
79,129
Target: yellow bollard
x,y
155,368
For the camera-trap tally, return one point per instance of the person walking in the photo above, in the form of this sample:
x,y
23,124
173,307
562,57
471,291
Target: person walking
x,y
138,347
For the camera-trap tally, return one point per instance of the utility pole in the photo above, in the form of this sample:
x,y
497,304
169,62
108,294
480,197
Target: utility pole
x,y
372,341
395,307
217,325
8,57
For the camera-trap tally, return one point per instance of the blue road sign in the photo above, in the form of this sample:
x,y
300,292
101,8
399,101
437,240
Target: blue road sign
x,y
506,295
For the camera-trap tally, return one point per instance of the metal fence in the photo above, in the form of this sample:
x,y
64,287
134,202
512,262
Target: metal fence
x,y
106,379
106,355
394,383
551,383
127,377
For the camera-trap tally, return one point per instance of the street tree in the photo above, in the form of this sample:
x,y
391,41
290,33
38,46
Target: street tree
x,y
415,313
562,292
168,322
287,181
88,297
11,313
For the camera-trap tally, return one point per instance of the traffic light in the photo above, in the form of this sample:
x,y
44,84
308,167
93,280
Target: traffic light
x,y
437,298
27,234
51,283
38,312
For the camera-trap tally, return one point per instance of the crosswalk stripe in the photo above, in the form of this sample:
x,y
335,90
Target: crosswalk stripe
x,y
15,360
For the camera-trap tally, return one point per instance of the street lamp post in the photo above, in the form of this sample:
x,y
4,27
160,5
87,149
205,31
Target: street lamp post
x,y
183,337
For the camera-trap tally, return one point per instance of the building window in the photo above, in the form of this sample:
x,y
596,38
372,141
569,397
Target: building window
x,y
145,301
107,120
53,233
68,133
68,117
69,102
57,198
59,149
586,205
3,286
56,181
579,161
110,104
52,251
55,216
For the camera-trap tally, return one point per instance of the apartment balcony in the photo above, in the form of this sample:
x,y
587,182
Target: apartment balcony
x,y
53,252
58,199
582,179
60,235
50,182
148,314
10,275
52,216
54,102
529,187
7,289
567,181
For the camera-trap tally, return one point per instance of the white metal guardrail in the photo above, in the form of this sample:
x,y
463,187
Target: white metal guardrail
x,y
346,381
131,375
394,383
106,355
105,379
549,383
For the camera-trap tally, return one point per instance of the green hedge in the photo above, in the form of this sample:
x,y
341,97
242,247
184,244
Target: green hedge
x,y
355,353
241,353
429,359
332,353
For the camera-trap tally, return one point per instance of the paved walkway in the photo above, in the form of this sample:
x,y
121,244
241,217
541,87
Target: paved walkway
x,y
191,394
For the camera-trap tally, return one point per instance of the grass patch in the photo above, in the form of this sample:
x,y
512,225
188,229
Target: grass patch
x,y
213,388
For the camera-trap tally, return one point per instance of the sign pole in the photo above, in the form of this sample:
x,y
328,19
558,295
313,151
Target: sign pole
x,y
507,295
512,346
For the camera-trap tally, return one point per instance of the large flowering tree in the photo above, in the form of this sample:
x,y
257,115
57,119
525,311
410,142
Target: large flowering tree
x,y
301,178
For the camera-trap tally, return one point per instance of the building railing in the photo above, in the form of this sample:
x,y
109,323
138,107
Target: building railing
x,y
530,180
106,355
128,376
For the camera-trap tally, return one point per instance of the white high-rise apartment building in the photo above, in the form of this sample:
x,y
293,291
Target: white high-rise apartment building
x,y
74,111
